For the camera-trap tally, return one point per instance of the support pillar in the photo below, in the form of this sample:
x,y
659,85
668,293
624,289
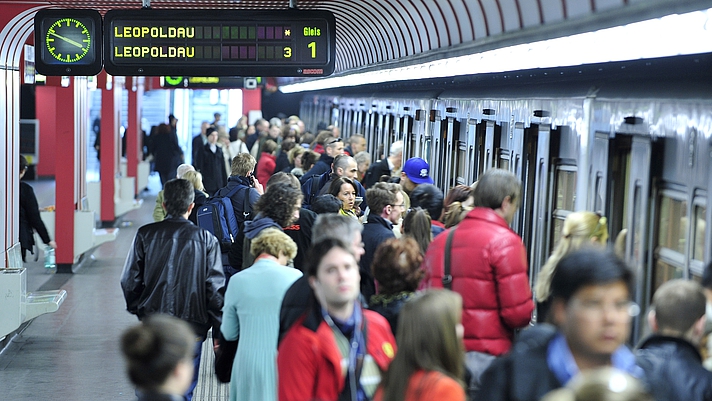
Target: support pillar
x,y
109,148
134,137
251,100
66,142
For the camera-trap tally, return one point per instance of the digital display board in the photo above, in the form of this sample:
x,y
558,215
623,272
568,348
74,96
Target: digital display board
x,y
68,42
294,43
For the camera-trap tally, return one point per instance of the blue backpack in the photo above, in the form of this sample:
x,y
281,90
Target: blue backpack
x,y
217,216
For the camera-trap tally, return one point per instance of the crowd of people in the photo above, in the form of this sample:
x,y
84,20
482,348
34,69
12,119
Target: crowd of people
x,y
357,281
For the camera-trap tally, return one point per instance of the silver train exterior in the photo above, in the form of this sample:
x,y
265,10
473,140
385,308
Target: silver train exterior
x,y
641,157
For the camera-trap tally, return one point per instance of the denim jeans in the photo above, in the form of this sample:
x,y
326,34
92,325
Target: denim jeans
x,y
196,364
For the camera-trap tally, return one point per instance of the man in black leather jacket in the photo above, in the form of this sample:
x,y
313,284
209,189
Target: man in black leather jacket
x,y
672,363
174,268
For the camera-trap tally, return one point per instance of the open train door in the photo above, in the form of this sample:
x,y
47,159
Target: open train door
x,y
536,195
629,205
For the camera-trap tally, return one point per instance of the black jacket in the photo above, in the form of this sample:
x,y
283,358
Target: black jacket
x,y
321,166
375,232
374,173
523,374
174,267
301,233
282,163
297,300
389,306
167,154
673,369
212,167
30,218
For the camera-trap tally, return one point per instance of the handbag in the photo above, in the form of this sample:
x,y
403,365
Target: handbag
x,y
224,358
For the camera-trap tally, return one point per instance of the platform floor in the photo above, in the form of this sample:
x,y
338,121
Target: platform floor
x,y
73,354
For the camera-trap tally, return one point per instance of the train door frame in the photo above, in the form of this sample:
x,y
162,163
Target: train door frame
x,y
359,118
541,199
633,148
421,135
565,174
530,142
372,129
406,125
388,127
516,156
470,129
492,143
334,112
446,172
598,176
436,141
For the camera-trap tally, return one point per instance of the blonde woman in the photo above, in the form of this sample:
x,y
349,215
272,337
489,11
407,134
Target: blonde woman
x,y
195,178
580,229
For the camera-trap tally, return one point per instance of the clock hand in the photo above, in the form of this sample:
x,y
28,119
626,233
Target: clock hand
x,y
70,41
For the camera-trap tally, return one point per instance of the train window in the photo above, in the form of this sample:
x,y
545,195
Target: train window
x,y
665,272
698,250
672,232
556,233
565,196
565,189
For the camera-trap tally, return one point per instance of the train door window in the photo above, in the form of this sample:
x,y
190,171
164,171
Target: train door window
x,y
453,155
700,239
405,127
564,199
463,170
420,140
673,224
505,148
671,238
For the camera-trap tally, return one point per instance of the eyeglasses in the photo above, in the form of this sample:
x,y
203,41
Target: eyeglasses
x,y
598,308
332,141
401,205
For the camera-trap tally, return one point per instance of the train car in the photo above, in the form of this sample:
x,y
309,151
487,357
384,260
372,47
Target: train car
x,y
635,148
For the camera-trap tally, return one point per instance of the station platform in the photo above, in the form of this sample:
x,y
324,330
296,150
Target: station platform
x,y
73,354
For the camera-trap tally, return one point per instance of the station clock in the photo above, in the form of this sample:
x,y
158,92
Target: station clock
x,y
68,42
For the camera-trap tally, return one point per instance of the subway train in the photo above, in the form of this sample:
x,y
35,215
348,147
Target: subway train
x,y
634,147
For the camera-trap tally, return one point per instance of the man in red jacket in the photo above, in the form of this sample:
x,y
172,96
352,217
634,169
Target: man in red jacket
x,y
336,350
488,267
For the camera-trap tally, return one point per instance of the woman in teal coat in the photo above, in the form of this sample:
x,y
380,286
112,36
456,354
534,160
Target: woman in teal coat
x,y
251,315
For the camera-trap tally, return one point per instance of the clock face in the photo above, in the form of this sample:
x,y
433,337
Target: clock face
x,y
68,40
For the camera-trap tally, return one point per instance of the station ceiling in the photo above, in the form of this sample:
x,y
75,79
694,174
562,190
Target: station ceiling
x,y
374,33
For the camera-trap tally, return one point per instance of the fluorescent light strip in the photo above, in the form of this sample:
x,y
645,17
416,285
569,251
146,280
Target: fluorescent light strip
x,y
672,35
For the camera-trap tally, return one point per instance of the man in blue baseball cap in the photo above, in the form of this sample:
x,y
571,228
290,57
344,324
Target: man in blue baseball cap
x,y
415,171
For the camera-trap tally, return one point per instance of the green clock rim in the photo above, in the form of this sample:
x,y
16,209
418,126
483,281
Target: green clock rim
x,y
88,35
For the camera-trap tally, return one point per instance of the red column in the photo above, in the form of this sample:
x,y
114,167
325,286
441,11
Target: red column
x,y
46,104
65,174
109,151
133,132
251,100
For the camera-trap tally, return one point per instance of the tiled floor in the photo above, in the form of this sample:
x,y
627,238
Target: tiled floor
x,y
73,354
